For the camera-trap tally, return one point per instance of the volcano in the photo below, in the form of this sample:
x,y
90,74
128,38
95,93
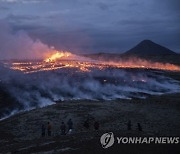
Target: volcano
x,y
149,48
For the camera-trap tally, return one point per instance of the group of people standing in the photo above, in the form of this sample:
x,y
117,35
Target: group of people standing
x,y
67,129
87,124
64,130
129,126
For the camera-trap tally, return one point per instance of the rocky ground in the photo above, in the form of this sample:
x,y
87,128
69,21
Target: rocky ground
x,y
158,115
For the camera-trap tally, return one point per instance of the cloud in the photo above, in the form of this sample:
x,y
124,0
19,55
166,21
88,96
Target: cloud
x,y
22,19
2,8
174,5
103,6
109,25
23,1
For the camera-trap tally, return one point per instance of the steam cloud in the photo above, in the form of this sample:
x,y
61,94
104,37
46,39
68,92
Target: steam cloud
x,y
18,45
44,88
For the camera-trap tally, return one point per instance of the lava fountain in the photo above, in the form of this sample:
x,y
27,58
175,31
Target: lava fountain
x,y
58,55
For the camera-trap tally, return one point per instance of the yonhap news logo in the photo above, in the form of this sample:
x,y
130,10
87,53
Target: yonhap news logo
x,y
108,139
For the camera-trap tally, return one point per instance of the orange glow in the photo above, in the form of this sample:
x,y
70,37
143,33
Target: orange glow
x,y
58,55
63,59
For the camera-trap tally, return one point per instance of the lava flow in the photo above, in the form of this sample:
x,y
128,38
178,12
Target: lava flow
x,y
61,59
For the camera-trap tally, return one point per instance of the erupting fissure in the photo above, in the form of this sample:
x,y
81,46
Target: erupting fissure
x,y
58,55
64,59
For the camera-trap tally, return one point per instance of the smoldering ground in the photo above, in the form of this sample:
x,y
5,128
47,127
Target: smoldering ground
x,y
44,88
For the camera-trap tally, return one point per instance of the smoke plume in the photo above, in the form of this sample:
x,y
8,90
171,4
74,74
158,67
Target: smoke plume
x,y
18,45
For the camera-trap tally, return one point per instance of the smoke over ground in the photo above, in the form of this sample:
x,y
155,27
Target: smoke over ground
x,y
44,88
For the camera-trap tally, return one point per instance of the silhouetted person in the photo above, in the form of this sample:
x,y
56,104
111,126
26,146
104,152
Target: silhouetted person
x,y
70,124
49,129
129,125
63,129
96,125
86,124
43,129
139,127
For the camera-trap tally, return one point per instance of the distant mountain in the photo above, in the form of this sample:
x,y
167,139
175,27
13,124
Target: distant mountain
x,y
149,48
146,50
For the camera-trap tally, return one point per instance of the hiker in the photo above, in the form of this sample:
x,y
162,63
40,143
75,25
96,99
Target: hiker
x,y
96,125
86,124
49,129
139,127
43,129
63,129
70,125
129,125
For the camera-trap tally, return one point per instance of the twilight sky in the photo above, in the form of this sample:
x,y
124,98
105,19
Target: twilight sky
x,y
88,26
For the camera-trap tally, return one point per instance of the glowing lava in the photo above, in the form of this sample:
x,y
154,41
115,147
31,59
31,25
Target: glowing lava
x,y
64,59
58,55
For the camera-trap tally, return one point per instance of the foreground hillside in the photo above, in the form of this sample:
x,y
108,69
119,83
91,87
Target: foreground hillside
x,y
158,115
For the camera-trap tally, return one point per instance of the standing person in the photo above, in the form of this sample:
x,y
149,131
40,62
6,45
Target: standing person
x,y
129,125
139,127
96,125
49,129
70,125
43,129
63,129
86,124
